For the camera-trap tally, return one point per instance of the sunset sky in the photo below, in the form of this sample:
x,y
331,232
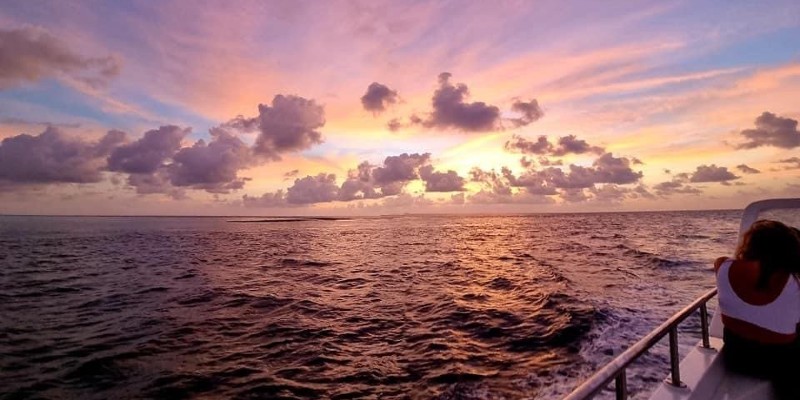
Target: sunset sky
x,y
372,107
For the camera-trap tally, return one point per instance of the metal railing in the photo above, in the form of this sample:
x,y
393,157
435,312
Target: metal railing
x,y
616,368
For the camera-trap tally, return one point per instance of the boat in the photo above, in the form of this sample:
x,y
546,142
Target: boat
x,y
701,374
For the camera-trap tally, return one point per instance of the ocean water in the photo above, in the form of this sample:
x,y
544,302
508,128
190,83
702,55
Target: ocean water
x,y
413,307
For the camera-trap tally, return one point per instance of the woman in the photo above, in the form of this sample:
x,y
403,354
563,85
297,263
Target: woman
x,y
759,298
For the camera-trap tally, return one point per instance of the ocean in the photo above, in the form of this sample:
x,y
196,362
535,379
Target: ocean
x,y
419,307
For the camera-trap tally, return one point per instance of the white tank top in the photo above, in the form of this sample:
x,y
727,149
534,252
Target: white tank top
x,y
780,316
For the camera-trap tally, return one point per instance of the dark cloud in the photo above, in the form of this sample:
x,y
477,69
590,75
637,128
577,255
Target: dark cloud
x,y
496,183
521,145
747,170
574,195
108,143
388,179
642,192
156,183
149,153
402,168
290,124
450,109
395,125
369,181
569,184
436,181
792,160
356,189
31,54
529,112
212,167
771,130
605,169
711,173
243,124
52,157
267,200
668,188
497,189
313,189
534,182
578,177
378,98
569,144
23,121
611,193
359,184
610,169
291,174
637,161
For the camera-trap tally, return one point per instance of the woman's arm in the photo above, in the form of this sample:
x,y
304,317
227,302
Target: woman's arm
x,y
718,263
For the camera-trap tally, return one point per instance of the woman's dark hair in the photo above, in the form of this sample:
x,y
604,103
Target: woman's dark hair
x,y
774,245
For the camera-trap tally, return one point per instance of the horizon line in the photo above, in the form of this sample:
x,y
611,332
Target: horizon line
x,y
310,217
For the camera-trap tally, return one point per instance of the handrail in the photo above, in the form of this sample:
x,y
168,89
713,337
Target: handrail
x,y
616,368
753,210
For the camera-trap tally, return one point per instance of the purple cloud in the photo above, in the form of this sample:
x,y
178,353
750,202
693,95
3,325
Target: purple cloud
x,y
52,157
529,112
771,130
535,182
521,145
569,144
212,167
378,98
711,173
610,193
356,189
551,181
793,160
267,200
574,195
395,125
610,169
436,181
747,170
451,111
674,186
290,124
496,187
30,54
155,183
313,189
149,153
402,168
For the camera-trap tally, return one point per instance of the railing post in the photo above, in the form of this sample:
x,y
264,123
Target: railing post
x,y
704,325
622,385
674,358
616,369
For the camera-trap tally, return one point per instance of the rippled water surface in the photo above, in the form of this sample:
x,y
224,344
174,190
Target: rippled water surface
x,y
403,307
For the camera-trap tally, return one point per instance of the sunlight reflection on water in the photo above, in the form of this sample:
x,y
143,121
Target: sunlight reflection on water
x,y
480,306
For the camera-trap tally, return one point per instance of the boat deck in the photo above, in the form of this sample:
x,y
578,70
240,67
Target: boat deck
x,y
705,377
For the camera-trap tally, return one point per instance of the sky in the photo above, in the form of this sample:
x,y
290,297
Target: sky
x,y
386,107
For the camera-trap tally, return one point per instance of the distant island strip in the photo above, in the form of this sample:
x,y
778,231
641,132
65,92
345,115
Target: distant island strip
x,y
292,219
